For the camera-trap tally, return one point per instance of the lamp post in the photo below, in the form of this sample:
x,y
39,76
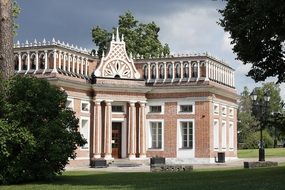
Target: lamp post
x,y
259,109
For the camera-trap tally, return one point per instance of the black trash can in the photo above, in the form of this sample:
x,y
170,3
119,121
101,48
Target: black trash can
x,y
221,157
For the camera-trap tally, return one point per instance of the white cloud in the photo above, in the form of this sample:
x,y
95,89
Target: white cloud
x,y
226,43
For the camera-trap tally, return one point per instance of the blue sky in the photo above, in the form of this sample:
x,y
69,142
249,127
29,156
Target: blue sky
x,y
188,26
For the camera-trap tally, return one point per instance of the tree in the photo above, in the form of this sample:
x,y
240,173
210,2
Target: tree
x,y
37,109
146,35
6,40
257,30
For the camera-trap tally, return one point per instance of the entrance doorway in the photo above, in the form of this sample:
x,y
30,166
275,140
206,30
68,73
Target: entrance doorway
x,y
116,139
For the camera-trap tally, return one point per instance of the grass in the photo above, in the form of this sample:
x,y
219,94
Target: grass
x,y
261,179
269,152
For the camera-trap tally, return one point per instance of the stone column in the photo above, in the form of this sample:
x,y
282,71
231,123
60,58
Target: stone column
x,y
59,59
207,70
132,130
198,70
148,71
108,130
86,67
29,61
142,124
54,61
97,132
69,57
37,61
20,61
46,60
64,61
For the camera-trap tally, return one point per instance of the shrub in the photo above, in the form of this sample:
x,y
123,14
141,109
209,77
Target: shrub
x,y
39,110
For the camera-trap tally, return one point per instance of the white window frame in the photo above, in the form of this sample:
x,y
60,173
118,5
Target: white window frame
x,y
88,106
224,135
155,103
149,136
72,103
224,111
179,134
80,128
231,136
216,111
216,137
186,103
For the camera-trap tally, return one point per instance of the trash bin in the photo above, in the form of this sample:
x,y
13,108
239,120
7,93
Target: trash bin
x,y
221,157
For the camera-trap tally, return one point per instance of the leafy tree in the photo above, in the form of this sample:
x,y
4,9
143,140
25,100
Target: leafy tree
x,y
146,35
257,30
50,131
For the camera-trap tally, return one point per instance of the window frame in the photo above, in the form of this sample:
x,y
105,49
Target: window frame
x,y
80,128
149,137
185,103
224,111
72,103
155,103
187,135
218,109
81,106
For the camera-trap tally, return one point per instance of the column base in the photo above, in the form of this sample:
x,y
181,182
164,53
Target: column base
x,y
96,156
108,157
132,157
143,156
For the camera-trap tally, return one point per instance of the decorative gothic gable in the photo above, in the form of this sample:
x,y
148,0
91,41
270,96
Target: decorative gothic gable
x,y
117,64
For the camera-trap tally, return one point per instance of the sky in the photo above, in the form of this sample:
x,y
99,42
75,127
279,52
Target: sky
x,y
188,26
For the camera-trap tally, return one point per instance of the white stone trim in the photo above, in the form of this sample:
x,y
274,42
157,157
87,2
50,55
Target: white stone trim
x,y
88,106
148,134
185,102
69,98
184,153
155,103
88,131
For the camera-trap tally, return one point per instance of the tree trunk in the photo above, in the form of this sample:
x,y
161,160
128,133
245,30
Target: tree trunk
x,y
6,39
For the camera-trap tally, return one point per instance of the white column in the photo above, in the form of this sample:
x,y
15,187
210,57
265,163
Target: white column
x,y
29,61
82,62
190,70
46,60
108,130
233,78
207,70
198,70
59,59
132,130
64,61
97,130
86,67
37,61
173,71
68,66
20,61
165,71
148,71
156,71
181,70
74,60
142,132
54,62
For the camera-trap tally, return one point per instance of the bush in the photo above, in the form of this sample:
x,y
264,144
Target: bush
x,y
39,111
252,140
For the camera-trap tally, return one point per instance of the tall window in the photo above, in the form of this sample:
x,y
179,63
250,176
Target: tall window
x,y
156,135
16,63
216,134
187,134
84,130
224,135
42,61
33,62
231,135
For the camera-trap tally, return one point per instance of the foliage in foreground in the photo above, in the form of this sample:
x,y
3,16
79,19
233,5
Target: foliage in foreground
x,y
37,133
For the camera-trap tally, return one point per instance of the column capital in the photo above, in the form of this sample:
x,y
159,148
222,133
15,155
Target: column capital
x,y
108,102
132,102
97,101
142,103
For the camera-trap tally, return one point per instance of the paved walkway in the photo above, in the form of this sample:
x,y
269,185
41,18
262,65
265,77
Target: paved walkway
x,y
238,163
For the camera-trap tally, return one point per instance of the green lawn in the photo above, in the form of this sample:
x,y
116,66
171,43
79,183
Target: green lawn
x,y
269,152
259,179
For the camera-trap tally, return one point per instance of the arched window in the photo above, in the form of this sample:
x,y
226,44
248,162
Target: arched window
x,y
16,63
153,71
177,71
195,70
42,61
33,62
203,70
169,71
161,71
145,72
24,62
50,61
186,70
